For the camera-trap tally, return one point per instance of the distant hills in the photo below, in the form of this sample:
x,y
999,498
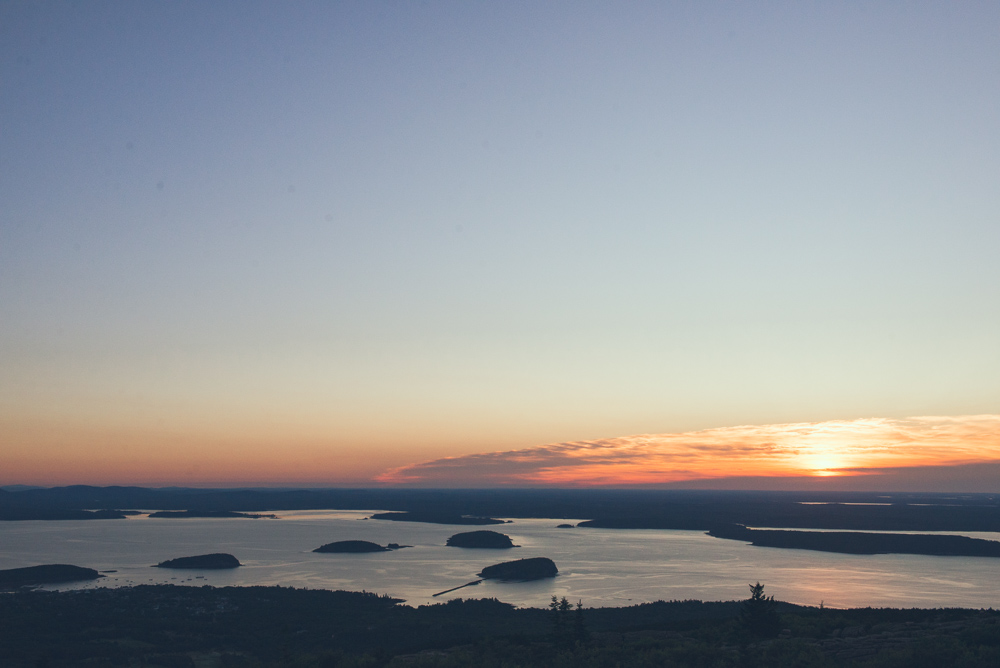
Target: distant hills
x,y
623,508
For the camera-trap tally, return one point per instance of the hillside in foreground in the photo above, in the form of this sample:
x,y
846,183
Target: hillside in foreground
x,y
167,625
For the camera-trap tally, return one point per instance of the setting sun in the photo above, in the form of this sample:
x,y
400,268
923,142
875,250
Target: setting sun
x,y
836,449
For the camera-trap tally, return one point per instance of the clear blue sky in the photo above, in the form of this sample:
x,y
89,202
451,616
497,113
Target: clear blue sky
x,y
369,234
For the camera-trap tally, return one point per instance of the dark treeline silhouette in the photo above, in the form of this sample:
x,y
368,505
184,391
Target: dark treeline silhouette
x,y
759,613
247,627
640,509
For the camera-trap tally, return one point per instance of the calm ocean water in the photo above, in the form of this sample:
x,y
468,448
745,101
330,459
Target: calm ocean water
x,y
603,567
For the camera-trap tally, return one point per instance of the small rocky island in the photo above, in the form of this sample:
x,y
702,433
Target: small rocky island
x,y
565,526
481,539
216,561
357,547
46,574
522,570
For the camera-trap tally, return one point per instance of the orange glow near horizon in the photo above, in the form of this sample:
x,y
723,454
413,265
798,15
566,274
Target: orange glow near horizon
x,y
820,453
847,448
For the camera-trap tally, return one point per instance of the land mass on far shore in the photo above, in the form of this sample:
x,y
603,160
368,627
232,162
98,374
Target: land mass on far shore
x,y
29,513
692,510
221,514
436,518
856,542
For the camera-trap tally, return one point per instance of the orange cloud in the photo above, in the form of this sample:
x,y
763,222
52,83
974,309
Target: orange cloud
x,y
839,448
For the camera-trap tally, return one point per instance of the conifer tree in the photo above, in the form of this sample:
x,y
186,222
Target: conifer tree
x,y
759,613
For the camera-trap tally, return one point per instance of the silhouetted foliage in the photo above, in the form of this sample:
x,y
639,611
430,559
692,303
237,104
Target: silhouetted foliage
x,y
559,613
252,627
580,624
759,613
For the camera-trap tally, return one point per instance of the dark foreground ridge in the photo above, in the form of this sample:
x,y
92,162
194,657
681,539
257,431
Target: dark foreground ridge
x,y
850,542
251,627
357,547
216,561
47,574
522,570
481,539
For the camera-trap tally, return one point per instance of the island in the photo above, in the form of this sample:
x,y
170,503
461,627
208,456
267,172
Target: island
x,y
522,570
221,514
45,574
856,542
357,547
436,518
481,539
565,526
216,561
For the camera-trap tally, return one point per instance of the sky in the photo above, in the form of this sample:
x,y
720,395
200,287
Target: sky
x,y
342,243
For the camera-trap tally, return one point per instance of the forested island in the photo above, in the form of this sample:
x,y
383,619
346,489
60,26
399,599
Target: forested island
x,y
215,561
522,570
45,574
853,542
251,627
492,540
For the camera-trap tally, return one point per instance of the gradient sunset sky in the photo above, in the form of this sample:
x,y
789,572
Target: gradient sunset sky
x,y
469,243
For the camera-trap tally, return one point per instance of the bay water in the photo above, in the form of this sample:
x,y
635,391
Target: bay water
x,y
601,567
